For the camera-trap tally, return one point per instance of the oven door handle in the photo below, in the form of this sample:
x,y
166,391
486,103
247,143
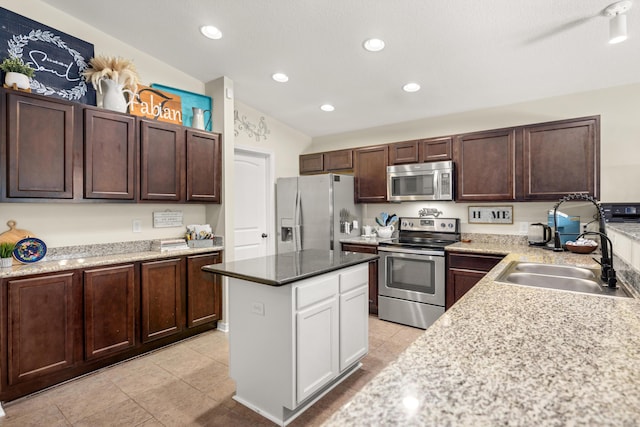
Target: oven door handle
x,y
410,251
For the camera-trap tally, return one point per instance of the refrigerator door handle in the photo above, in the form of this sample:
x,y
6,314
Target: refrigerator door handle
x,y
297,234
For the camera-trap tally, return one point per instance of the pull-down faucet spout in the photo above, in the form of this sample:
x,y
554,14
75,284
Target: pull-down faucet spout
x,y
606,261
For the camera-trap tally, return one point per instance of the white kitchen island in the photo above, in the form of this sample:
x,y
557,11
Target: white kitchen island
x,y
298,326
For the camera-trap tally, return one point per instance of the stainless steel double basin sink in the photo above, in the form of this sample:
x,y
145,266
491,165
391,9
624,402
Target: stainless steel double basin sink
x,y
559,277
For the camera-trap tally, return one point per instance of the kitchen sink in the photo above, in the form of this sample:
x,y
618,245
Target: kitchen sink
x,y
559,277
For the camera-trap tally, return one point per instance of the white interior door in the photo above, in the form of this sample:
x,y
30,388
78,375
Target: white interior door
x,y
253,203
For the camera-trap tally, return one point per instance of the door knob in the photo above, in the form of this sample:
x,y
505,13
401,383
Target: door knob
x,y
264,235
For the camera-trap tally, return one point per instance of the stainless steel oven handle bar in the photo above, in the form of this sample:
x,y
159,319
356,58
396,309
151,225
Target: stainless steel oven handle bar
x,y
405,250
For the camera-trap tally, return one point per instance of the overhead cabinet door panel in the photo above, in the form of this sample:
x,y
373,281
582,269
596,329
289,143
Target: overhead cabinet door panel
x,y
485,164
561,158
40,148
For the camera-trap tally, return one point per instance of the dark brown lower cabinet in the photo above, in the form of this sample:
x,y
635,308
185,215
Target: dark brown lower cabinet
x,y
44,314
373,272
204,291
161,296
54,327
109,310
464,270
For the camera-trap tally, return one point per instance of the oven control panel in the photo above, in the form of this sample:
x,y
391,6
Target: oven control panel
x,y
430,224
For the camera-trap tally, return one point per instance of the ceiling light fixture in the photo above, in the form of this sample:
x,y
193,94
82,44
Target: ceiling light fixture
x,y
211,32
411,87
280,77
618,21
373,45
327,107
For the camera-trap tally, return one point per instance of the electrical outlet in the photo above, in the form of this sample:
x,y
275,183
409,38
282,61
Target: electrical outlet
x,y
137,226
524,227
257,308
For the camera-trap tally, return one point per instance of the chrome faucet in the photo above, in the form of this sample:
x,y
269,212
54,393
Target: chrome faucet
x,y
608,274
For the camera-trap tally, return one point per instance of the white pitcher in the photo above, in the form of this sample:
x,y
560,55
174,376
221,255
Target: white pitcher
x,y
113,96
198,118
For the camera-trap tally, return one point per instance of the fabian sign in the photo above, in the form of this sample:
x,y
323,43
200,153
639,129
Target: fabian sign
x,y
155,104
490,215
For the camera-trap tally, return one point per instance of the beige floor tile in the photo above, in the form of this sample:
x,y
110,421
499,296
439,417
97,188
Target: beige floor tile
x,y
175,404
49,415
125,414
139,375
188,384
79,399
207,378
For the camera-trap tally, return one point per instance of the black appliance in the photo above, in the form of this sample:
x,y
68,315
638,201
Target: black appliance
x,y
621,212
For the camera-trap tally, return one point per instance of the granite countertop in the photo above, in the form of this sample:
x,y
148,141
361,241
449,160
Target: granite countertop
x,y
631,230
365,240
513,355
74,261
282,269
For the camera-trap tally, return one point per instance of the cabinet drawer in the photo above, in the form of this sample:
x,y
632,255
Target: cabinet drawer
x,y
316,290
367,249
354,277
476,262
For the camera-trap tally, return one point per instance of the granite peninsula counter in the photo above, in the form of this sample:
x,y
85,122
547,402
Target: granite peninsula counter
x,y
513,355
298,327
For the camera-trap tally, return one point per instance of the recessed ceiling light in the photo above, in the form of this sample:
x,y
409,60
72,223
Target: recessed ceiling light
x,y
373,45
211,32
411,87
327,107
280,77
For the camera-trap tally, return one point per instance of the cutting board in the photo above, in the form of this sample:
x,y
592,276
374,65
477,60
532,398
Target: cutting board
x,y
14,235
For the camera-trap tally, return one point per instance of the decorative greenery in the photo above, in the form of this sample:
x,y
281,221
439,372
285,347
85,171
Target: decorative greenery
x,y
16,65
115,68
6,249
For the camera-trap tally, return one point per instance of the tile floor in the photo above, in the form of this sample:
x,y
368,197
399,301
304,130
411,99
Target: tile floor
x,y
186,384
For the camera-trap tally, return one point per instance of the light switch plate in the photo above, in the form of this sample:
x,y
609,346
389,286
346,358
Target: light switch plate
x,y
137,226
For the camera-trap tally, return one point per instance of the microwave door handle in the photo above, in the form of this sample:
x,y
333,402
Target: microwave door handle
x,y
436,185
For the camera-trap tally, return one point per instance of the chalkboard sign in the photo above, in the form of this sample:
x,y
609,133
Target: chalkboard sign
x,y
58,58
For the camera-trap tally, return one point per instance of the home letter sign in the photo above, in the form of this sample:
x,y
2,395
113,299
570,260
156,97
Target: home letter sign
x,y
490,214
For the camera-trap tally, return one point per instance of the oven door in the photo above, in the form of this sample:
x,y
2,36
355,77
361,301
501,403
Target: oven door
x,y
412,275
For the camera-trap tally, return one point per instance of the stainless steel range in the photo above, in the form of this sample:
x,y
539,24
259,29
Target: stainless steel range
x,y
411,277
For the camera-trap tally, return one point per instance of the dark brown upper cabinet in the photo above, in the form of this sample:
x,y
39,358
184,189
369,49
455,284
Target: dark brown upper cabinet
x,y
485,165
403,152
162,159
561,157
329,161
339,160
110,170
311,163
436,149
203,168
40,147
370,172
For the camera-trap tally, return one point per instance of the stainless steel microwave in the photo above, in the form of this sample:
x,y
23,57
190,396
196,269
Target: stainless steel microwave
x,y
420,181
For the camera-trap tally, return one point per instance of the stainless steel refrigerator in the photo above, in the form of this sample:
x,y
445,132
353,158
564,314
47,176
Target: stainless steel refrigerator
x,y
315,212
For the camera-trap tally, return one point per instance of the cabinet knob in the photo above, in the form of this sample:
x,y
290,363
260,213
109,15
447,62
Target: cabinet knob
x,y
265,235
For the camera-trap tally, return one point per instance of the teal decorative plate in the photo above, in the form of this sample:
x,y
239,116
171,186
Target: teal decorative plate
x,y
29,250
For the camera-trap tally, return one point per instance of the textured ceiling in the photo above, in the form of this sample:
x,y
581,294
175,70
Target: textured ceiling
x,y
466,54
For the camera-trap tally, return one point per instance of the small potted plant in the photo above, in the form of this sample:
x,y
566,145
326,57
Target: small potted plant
x,y
17,72
6,253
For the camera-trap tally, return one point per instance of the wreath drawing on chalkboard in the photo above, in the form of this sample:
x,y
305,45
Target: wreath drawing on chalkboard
x,y
18,42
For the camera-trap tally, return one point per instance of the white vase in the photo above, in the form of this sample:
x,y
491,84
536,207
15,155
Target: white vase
x,y
20,80
6,262
113,96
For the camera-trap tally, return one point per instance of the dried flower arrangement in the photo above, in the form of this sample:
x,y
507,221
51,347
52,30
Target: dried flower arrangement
x,y
115,68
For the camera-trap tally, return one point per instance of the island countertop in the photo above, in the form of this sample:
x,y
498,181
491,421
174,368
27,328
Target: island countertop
x,y
513,355
282,269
